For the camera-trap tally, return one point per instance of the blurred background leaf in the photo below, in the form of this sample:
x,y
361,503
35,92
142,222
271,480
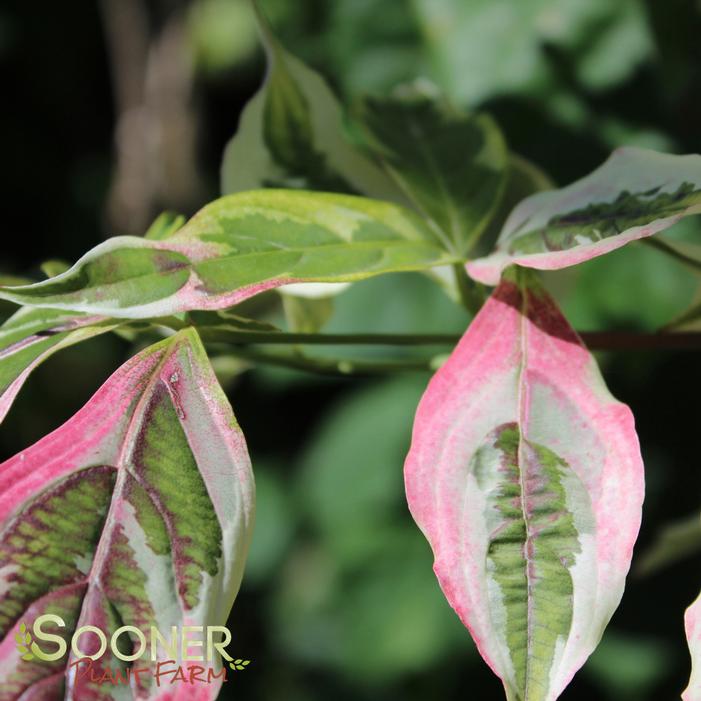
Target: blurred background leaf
x,y
340,602
675,541
505,44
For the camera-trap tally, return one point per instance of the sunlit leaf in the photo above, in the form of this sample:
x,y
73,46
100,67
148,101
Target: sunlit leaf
x,y
634,194
451,165
236,247
137,511
692,623
31,336
525,475
291,134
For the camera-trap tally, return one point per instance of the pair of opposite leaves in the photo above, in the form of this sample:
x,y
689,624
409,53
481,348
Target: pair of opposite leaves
x,y
524,474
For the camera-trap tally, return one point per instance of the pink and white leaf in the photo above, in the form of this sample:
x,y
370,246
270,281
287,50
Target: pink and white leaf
x,y
137,511
634,194
239,246
31,336
692,623
525,475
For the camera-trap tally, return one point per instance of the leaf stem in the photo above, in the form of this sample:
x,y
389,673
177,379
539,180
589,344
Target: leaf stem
x,y
471,293
664,247
335,366
236,336
629,340
594,340
346,367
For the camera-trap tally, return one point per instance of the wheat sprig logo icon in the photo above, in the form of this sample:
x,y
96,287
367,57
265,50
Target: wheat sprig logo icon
x,y
24,641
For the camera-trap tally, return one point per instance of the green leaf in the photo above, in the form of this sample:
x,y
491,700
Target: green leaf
x,y
690,320
674,542
683,251
222,34
306,314
31,336
137,511
689,254
656,286
51,268
7,309
362,570
228,320
165,225
292,134
239,246
275,524
347,467
451,165
487,48
627,666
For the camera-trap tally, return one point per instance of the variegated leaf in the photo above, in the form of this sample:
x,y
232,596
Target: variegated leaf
x,y
525,475
7,309
451,165
236,247
138,511
524,179
634,194
291,134
30,336
692,623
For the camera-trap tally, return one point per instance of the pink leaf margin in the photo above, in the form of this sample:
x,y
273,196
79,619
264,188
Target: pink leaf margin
x,y
692,624
479,388
91,437
626,169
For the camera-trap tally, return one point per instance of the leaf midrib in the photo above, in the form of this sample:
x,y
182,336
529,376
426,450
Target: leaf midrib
x,y
522,419
123,470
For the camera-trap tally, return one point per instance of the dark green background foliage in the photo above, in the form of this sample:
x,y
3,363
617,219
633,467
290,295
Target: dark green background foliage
x,y
339,600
